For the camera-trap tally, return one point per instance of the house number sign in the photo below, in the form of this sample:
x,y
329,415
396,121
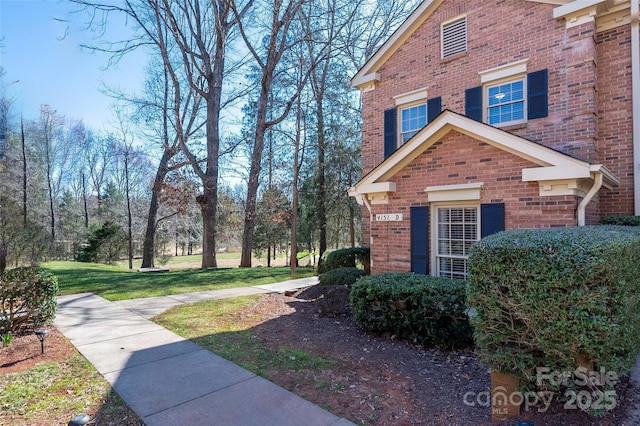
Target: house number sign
x,y
390,217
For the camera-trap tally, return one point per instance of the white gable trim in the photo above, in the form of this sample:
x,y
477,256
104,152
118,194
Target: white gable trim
x,y
556,169
363,79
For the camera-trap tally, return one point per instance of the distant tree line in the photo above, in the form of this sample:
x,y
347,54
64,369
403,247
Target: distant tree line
x,y
246,133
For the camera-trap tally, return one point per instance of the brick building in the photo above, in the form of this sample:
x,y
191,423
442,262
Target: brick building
x,y
486,115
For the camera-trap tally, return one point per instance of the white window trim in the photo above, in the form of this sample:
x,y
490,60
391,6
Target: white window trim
x,y
457,193
434,228
421,101
506,73
412,97
466,35
485,100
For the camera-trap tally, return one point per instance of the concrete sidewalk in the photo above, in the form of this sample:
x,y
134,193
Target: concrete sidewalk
x,y
168,380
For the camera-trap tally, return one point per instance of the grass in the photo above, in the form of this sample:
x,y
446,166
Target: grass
x,y
115,283
195,259
214,326
55,391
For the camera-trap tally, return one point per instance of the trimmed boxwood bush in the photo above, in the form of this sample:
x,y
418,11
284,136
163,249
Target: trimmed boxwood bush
x,y
621,220
425,310
345,258
341,276
27,299
556,297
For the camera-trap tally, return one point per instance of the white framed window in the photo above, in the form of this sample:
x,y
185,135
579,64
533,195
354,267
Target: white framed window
x,y
506,102
412,119
454,36
456,229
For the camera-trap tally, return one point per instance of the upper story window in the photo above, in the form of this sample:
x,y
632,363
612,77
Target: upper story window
x,y
454,37
506,103
509,95
412,119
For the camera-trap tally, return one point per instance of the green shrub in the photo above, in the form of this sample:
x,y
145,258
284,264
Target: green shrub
x,y
105,244
27,299
425,310
556,297
621,220
341,276
345,258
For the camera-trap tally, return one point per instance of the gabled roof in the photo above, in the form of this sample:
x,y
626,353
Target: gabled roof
x,y
554,165
368,74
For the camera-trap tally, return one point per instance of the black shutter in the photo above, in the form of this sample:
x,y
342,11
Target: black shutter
x,y
420,240
491,219
390,139
473,103
538,98
434,107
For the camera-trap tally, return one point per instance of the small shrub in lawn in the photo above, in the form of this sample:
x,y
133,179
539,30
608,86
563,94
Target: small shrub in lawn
x,y
27,299
426,310
341,276
621,220
345,258
555,298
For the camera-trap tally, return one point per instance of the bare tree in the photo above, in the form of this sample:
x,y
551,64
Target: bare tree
x,y
275,44
199,31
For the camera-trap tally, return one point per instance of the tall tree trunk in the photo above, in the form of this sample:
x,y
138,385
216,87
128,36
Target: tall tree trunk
x,y
129,220
322,193
293,260
254,172
24,174
51,211
148,247
352,226
84,201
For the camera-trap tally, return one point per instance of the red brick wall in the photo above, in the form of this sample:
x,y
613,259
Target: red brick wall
x,y
456,159
589,109
532,33
614,117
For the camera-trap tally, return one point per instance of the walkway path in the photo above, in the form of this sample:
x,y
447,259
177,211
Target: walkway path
x,y
168,380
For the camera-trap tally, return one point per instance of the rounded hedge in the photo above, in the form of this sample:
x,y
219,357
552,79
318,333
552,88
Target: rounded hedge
x,y
345,258
341,276
556,297
426,310
27,299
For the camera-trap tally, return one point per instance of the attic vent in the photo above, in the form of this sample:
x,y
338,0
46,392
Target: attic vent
x,y
454,37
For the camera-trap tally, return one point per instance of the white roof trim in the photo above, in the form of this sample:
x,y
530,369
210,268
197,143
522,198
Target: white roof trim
x,y
363,78
558,164
574,7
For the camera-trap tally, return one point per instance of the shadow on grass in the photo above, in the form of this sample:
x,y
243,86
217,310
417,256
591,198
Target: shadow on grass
x,y
114,283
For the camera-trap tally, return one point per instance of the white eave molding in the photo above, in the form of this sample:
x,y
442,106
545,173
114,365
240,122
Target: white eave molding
x,y
366,82
557,174
608,14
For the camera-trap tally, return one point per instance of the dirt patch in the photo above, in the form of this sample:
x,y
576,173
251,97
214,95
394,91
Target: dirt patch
x,y
379,381
24,351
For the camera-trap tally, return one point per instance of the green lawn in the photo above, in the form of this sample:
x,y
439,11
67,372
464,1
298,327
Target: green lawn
x,y
195,259
115,283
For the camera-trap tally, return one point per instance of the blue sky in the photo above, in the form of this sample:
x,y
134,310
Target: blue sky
x,y
43,53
